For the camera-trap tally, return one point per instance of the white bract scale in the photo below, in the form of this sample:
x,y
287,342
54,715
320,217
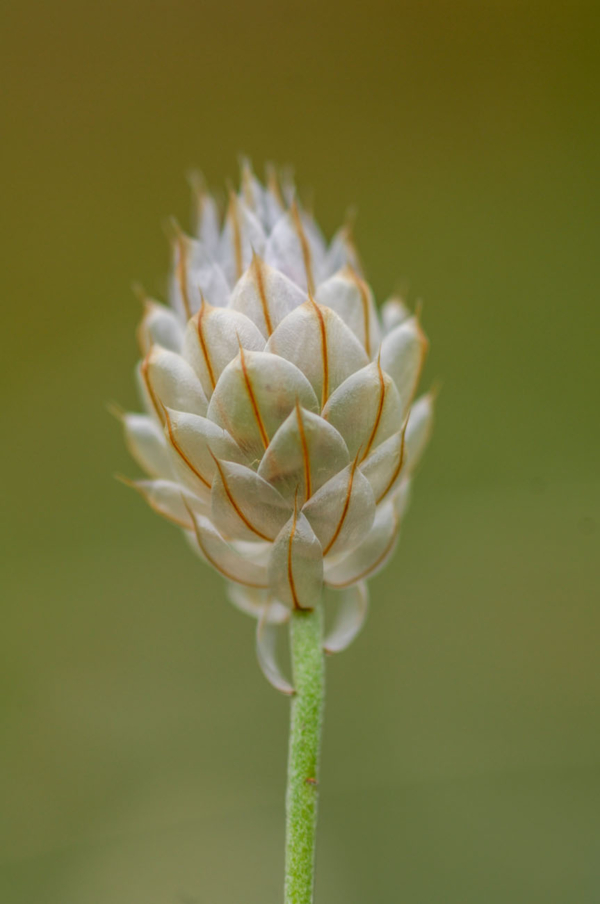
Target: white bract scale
x,y
281,431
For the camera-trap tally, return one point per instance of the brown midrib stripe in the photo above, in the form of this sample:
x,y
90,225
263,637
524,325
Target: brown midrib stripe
x,y
324,353
345,509
260,285
304,247
237,235
305,454
181,453
158,406
379,411
367,320
218,567
364,297
261,427
236,507
203,345
182,274
397,469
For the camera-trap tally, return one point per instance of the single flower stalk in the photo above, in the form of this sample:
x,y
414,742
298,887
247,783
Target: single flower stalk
x,y
281,433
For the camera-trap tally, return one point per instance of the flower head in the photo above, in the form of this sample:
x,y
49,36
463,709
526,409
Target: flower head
x,y
280,430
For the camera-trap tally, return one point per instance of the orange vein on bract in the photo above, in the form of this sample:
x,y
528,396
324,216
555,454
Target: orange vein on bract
x,y
148,304
158,405
202,340
179,450
398,467
324,350
182,247
338,529
257,265
304,246
235,505
261,427
247,185
199,193
379,409
212,561
273,184
424,343
237,235
305,453
364,297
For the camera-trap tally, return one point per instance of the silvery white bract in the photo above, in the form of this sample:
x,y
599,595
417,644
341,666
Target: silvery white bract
x,y
280,431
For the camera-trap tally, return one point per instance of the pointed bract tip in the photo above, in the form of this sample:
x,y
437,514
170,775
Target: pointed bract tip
x,y
419,326
350,219
401,290
192,516
434,391
127,481
257,262
352,272
116,410
308,202
199,192
205,306
140,293
173,231
196,181
240,347
150,305
231,194
287,176
273,183
352,249
246,177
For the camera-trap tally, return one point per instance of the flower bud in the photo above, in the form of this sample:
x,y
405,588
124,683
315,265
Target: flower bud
x,y
280,432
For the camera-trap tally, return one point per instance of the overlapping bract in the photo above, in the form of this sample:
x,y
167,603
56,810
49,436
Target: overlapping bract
x,y
280,431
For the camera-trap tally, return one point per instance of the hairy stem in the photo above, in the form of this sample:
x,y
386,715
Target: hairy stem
x,y
306,636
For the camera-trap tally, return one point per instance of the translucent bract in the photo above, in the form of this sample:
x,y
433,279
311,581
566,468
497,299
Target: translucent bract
x,y
280,431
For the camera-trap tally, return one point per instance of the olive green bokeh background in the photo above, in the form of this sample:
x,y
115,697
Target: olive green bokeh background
x,y
143,754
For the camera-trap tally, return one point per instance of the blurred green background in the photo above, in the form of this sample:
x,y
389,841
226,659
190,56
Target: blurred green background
x,y
143,754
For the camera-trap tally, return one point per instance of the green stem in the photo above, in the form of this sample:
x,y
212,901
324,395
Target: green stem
x,y
308,666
